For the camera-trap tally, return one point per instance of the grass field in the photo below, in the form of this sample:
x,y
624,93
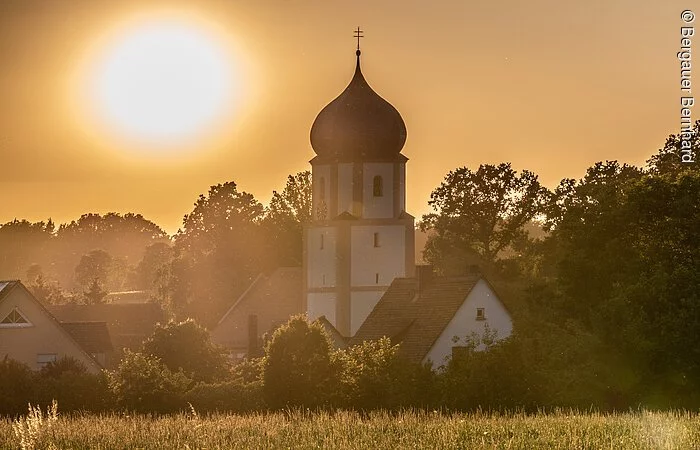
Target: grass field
x,y
349,430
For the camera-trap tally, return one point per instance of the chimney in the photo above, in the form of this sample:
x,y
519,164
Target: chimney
x,y
424,273
252,336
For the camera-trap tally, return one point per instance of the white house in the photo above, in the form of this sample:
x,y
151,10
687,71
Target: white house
x,y
431,316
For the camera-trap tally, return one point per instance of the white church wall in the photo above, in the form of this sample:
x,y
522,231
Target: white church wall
x,y
321,304
361,305
321,245
387,259
345,188
378,207
321,177
465,322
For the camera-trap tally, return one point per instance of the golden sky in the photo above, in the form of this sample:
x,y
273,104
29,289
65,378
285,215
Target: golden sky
x,y
551,86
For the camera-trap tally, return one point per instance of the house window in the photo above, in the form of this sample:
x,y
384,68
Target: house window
x,y
376,239
378,186
42,359
480,314
322,189
14,319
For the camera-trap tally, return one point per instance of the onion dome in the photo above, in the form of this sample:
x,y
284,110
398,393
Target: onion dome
x,y
358,124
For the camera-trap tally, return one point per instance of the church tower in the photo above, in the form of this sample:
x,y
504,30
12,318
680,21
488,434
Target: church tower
x,y
360,237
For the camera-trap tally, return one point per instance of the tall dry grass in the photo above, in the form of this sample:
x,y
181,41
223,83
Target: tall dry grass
x,y
351,430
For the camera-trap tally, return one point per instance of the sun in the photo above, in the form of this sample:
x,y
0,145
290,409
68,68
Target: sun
x,y
162,82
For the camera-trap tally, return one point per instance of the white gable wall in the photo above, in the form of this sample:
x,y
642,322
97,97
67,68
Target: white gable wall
x,y
464,323
43,337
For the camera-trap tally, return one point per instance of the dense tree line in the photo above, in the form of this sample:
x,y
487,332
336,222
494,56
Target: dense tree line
x,y
602,275
224,242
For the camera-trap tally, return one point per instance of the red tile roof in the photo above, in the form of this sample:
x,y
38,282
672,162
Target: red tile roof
x,y
412,319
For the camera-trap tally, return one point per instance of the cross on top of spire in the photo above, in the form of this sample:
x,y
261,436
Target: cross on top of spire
x,y
358,34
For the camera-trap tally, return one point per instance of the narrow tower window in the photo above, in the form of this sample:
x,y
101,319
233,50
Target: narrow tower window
x,y
378,186
376,278
322,189
376,239
321,241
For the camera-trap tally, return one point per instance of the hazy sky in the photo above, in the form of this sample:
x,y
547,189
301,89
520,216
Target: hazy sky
x,y
551,86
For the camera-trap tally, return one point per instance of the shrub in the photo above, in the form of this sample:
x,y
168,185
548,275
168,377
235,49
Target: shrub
x,y
17,381
230,396
68,381
297,368
143,383
186,346
373,375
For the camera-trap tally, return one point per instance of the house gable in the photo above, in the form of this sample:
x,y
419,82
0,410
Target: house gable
x,y
480,309
44,340
424,319
271,298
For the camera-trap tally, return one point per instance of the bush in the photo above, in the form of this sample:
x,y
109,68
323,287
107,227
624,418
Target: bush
x,y
187,346
67,381
297,368
143,383
17,381
230,396
372,375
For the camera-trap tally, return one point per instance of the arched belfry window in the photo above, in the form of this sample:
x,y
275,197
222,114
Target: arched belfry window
x,y
378,186
322,189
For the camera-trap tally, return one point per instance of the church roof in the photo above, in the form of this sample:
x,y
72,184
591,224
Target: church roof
x,y
358,124
415,319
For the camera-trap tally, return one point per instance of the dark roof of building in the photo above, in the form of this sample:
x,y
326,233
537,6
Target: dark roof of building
x,y
93,337
128,324
358,124
339,341
415,320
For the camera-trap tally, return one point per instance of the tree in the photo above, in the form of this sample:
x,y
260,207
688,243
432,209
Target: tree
x,y
186,347
285,218
94,294
95,267
297,368
48,292
155,258
124,237
669,159
24,244
218,252
590,231
480,213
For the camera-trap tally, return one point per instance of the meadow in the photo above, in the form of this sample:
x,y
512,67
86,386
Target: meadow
x,y
352,430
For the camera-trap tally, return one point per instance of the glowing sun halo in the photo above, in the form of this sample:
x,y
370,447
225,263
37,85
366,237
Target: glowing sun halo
x,y
162,82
